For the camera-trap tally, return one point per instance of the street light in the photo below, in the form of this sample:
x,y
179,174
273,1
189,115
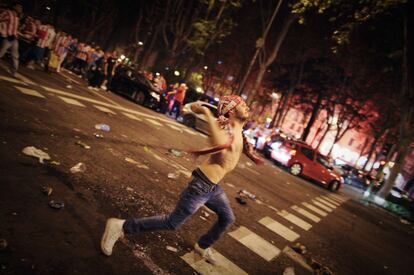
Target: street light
x,y
140,43
199,90
176,73
205,67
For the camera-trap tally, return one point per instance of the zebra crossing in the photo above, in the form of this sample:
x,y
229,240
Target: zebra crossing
x,y
302,217
265,248
76,100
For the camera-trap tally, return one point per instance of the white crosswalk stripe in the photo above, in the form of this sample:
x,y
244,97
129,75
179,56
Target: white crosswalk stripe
x,y
131,116
326,203
279,229
175,128
294,219
104,109
320,205
331,201
305,213
24,79
315,209
254,242
12,80
224,266
154,122
190,131
71,101
27,91
338,198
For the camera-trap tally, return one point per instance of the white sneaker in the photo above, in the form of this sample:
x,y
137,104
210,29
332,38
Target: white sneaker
x,y
113,231
207,254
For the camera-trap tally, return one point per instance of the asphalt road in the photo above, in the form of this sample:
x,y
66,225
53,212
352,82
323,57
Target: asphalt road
x,y
127,175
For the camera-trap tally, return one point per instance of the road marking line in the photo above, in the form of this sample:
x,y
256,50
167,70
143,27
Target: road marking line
x,y
297,258
131,116
223,266
190,132
305,213
25,79
104,109
338,198
156,123
326,203
255,243
12,80
324,207
253,171
295,219
202,135
71,101
27,91
271,207
175,128
279,229
331,201
315,209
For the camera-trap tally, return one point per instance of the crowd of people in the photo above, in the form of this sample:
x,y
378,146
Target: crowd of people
x,y
32,42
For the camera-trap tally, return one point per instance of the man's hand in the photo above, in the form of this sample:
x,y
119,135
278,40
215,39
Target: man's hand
x,y
199,109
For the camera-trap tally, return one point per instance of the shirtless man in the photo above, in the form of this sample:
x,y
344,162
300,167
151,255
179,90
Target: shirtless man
x,y
203,189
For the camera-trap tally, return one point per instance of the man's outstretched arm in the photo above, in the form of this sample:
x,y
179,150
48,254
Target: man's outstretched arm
x,y
250,153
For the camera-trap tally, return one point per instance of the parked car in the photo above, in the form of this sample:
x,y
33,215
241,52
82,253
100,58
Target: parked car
x,y
196,121
302,160
135,86
354,177
272,141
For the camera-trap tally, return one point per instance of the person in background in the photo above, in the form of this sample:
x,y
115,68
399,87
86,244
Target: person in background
x,y
27,37
10,20
180,93
109,69
60,48
51,34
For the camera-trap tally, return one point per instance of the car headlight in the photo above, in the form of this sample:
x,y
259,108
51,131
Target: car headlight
x,y
155,95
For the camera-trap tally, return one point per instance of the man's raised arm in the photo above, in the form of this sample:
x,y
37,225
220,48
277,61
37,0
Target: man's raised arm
x,y
218,136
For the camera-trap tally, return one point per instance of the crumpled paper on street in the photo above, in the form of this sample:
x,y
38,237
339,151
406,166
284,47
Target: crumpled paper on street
x,y
37,153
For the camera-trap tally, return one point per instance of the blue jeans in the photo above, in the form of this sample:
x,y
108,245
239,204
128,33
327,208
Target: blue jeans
x,y
200,191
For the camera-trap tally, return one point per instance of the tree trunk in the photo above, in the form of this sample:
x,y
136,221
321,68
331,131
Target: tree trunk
x,y
407,94
258,49
314,115
402,152
273,55
371,151
323,136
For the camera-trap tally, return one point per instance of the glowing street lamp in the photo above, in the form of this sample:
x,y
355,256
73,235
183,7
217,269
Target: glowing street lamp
x,y
205,67
199,90
176,73
140,43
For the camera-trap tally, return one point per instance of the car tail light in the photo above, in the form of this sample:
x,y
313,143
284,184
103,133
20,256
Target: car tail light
x,y
292,152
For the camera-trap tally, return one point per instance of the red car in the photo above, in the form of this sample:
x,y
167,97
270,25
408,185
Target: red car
x,y
302,159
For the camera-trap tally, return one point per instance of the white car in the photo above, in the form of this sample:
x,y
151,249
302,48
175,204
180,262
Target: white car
x,y
196,121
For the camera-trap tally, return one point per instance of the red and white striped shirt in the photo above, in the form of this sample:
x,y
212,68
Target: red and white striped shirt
x,y
42,35
61,43
10,23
